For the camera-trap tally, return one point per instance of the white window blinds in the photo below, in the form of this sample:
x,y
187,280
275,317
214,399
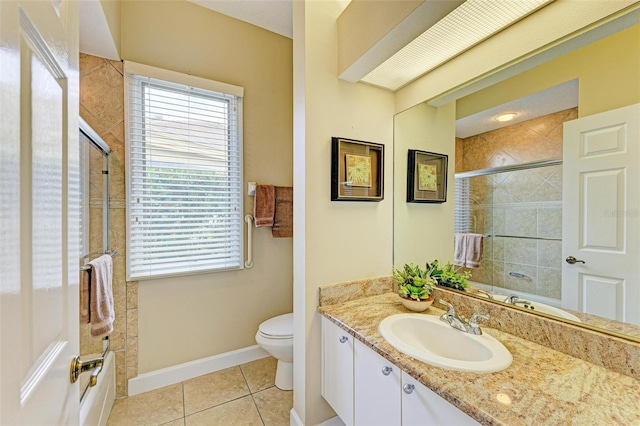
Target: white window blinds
x,y
185,177
462,206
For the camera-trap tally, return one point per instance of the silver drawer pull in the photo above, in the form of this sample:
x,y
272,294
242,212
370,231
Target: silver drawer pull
x,y
408,388
386,370
343,339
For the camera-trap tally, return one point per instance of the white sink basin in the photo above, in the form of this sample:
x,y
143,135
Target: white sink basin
x,y
428,339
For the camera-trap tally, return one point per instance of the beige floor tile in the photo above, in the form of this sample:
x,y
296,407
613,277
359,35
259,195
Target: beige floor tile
x,y
274,406
213,389
240,412
178,422
260,374
150,408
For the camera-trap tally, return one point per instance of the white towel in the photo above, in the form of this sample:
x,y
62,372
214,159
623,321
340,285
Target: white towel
x,y
459,249
473,254
101,311
467,250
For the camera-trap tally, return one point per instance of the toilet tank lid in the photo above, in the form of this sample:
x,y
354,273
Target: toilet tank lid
x,y
282,325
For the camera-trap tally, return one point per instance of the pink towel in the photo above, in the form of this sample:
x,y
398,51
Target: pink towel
x,y
101,310
264,205
467,250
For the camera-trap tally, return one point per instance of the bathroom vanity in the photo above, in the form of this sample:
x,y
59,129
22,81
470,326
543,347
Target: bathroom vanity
x,y
367,381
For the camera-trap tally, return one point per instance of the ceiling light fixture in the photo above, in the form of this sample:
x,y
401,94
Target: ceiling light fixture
x,y
506,117
467,25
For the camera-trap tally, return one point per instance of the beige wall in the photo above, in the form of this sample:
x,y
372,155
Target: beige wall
x,y
607,70
341,241
423,231
191,317
102,107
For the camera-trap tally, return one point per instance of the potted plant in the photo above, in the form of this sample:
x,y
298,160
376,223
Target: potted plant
x,y
415,287
447,276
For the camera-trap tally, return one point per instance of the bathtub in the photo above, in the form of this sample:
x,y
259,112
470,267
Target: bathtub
x,y
96,403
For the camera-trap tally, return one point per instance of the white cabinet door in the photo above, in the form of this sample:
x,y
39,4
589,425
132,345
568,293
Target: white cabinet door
x,y
422,406
337,370
377,388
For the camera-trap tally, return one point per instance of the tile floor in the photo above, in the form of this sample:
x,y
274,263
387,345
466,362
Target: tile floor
x,y
243,395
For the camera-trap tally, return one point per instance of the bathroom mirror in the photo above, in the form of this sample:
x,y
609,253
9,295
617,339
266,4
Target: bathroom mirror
x,y
518,208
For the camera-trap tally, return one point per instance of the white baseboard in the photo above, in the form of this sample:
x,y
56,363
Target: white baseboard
x,y
294,420
333,421
181,372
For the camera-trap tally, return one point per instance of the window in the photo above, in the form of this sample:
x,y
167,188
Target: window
x,y
184,180
462,207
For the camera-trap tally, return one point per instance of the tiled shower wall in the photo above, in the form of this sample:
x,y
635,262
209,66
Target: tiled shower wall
x,y
102,107
525,203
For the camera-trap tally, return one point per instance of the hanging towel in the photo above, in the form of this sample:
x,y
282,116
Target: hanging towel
x,y
467,250
473,254
264,205
459,249
283,217
101,311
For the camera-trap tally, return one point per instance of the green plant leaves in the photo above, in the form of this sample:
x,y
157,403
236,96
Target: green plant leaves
x,y
417,283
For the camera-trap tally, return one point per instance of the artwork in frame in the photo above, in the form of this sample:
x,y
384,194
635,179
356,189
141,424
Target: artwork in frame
x,y
357,170
426,177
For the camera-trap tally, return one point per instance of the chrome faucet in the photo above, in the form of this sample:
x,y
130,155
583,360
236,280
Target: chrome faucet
x,y
486,293
459,322
512,299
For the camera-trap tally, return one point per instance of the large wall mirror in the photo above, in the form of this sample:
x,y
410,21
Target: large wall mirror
x,y
512,183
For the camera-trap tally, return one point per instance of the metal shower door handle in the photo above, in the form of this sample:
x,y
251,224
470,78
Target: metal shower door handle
x,y
572,260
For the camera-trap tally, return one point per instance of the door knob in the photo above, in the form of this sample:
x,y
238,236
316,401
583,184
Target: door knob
x,y
78,367
343,339
572,260
386,370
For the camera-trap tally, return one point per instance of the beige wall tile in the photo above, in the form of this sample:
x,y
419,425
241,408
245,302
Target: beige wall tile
x,y
89,63
550,282
517,250
550,223
132,357
101,92
520,222
121,379
132,295
132,323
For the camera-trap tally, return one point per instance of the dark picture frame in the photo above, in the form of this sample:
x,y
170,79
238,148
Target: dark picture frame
x,y
357,170
426,177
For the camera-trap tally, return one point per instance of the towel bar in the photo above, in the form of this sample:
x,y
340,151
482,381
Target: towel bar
x,y
249,262
110,253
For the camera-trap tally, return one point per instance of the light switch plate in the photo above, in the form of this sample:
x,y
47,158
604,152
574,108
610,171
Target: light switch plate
x,y
251,189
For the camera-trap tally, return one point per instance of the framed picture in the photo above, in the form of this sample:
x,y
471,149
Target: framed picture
x,y
357,170
426,177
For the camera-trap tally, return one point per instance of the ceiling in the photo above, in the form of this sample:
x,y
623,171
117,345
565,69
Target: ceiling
x,y
548,101
272,15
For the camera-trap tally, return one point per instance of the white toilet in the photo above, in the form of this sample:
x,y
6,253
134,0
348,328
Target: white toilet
x,y
275,336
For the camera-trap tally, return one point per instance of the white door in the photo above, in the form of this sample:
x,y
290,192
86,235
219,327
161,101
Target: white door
x,y
38,211
601,215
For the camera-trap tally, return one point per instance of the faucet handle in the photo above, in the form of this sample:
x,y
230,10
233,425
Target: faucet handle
x,y
452,310
473,322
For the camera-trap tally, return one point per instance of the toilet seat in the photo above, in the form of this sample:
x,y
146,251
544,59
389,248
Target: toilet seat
x,y
280,327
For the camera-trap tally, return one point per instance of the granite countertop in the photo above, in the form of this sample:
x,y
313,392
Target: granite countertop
x,y
542,386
